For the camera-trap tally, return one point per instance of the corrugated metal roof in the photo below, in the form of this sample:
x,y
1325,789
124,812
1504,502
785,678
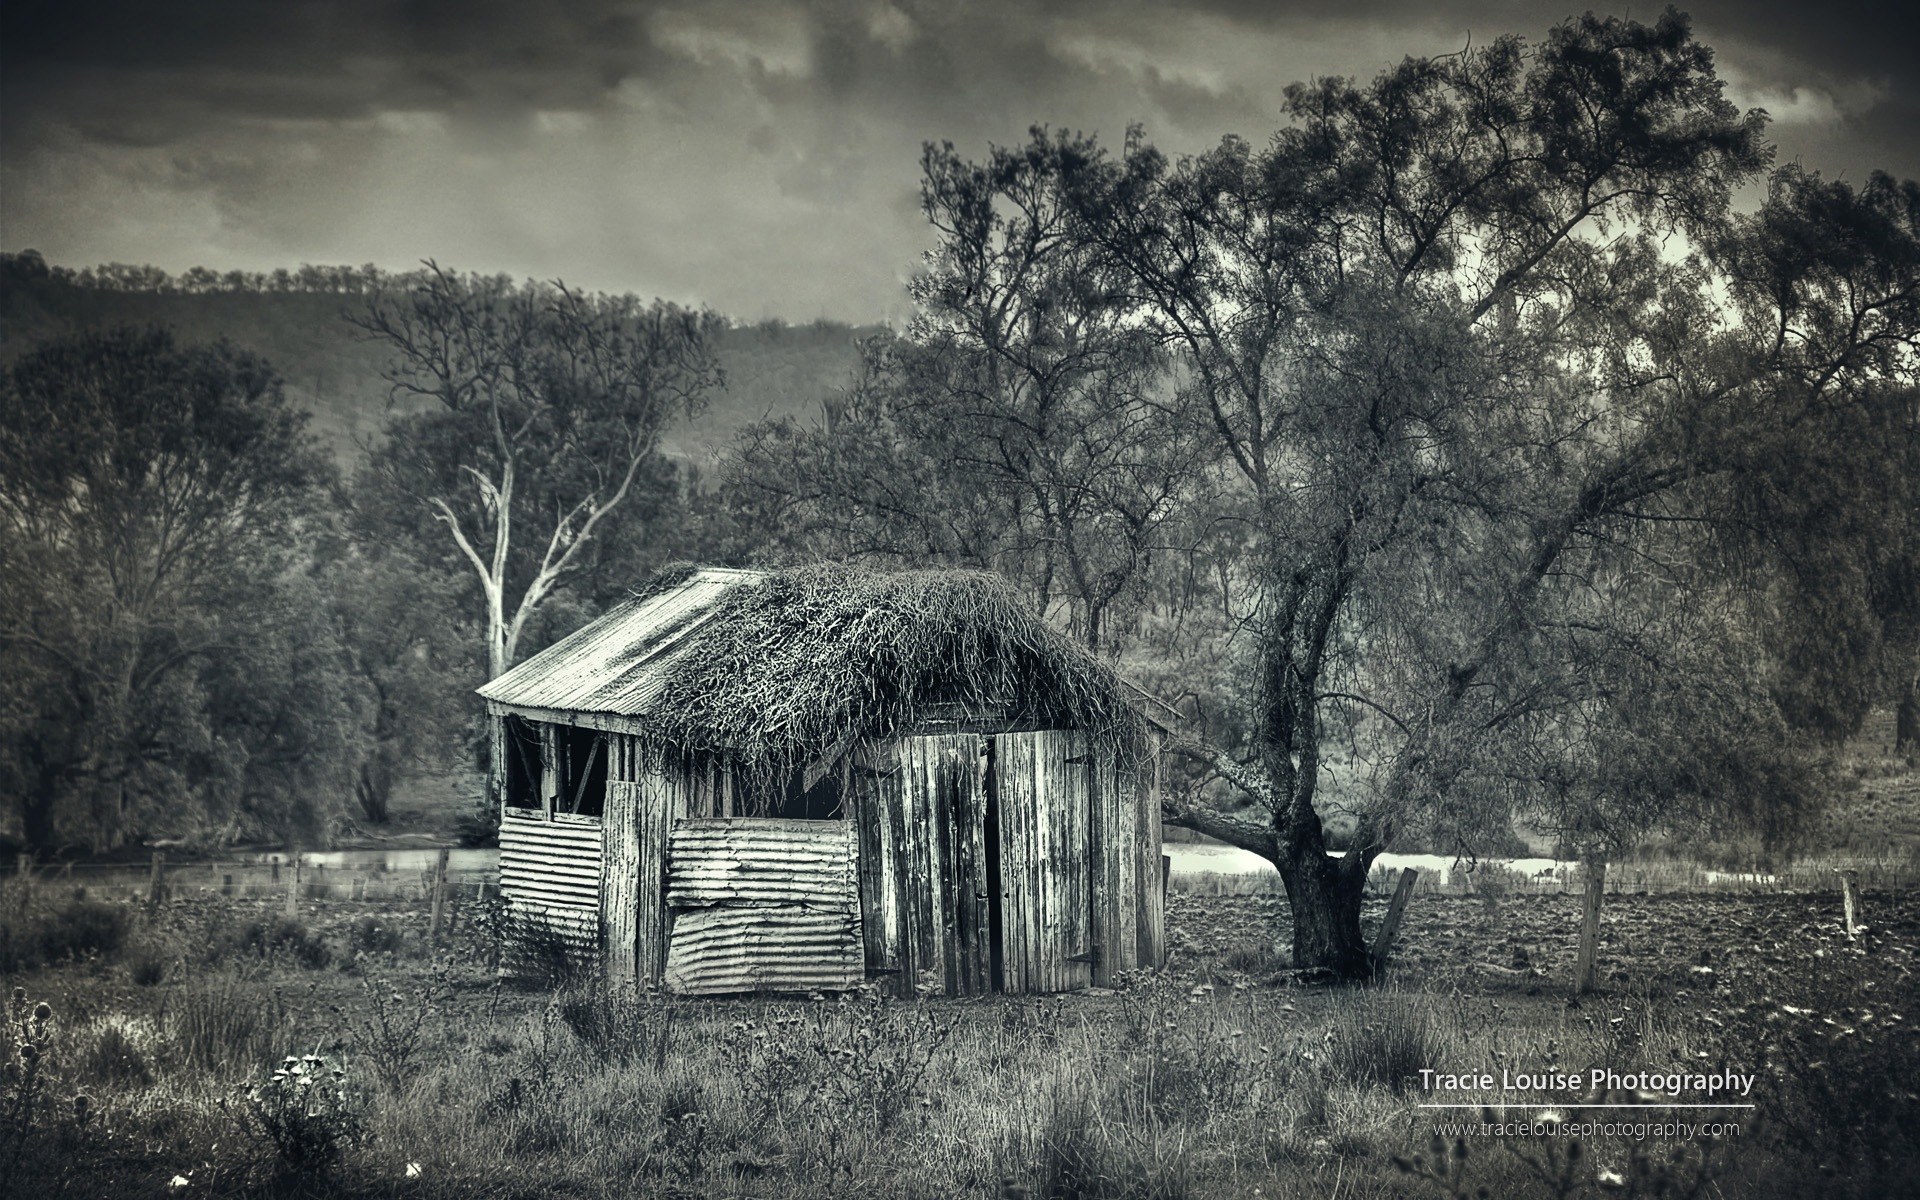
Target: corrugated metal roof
x,y
618,663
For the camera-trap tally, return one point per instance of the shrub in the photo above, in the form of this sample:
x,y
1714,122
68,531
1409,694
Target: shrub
x,y
220,1020
541,954
110,1056
306,1113
82,929
1386,1044
148,970
371,935
620,1030
284,938
394,1030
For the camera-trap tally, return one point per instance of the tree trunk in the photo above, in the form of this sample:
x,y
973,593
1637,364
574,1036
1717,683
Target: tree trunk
x,y
1324,893
373,789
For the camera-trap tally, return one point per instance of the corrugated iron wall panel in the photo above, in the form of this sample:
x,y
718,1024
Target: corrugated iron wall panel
x,y
553,863
786,948
761,904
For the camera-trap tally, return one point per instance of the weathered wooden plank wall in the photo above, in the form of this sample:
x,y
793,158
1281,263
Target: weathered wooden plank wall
x,y
620,886
919,805
1150,907
874,791
1115,868
661,798
762,904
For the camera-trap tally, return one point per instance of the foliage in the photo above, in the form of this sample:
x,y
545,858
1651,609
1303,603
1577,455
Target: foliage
x,y
1507,407
374,935
413,664
281,937
154,501
545,408
1023,425
305,1113
81,929
395,1027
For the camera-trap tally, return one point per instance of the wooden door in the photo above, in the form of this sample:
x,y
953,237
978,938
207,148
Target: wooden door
x,y
926,884
1044,842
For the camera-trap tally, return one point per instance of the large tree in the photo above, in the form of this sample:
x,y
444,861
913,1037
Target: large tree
x,y
1515,403
533,414
156,503
1024,423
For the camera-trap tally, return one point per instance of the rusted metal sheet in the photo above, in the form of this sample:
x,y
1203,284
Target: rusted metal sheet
x,y
761,904
616,664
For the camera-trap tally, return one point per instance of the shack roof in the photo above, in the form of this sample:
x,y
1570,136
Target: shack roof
x,y
779,666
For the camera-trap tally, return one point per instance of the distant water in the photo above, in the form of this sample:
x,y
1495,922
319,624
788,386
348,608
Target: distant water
x,y
1191,858
392,860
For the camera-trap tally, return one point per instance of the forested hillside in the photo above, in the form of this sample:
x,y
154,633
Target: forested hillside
x,y
296,320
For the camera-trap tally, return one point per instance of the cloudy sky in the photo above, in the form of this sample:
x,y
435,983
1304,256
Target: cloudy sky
x,y
759,156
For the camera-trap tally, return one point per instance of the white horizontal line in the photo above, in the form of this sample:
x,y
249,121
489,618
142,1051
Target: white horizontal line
x,y
1549,1104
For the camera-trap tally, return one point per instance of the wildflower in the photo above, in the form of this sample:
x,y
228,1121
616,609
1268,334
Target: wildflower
x,y
413,1170
43,1011
179,1181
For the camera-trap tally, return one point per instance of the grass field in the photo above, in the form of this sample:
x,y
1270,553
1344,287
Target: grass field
x,y
160,1063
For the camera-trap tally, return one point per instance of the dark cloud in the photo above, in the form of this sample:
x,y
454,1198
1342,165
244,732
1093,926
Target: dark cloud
x,y
756,154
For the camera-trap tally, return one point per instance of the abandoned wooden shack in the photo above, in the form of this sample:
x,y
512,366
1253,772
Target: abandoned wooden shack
x,y
747,781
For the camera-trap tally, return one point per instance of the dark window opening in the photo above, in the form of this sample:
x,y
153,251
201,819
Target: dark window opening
x,y
790,799
821,802
582,755
521,746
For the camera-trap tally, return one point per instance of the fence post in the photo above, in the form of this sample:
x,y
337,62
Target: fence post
x,y
1390,924
1847,903
293,889
156,882
439,895
1586,968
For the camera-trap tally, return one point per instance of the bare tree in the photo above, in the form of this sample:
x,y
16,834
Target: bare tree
x,y
543,409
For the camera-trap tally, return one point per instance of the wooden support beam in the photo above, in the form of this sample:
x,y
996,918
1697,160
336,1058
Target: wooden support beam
x,y
1586,966
1390,924
293,890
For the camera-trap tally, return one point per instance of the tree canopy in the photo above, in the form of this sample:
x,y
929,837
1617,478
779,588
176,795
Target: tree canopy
x,y
1535,478
155,505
